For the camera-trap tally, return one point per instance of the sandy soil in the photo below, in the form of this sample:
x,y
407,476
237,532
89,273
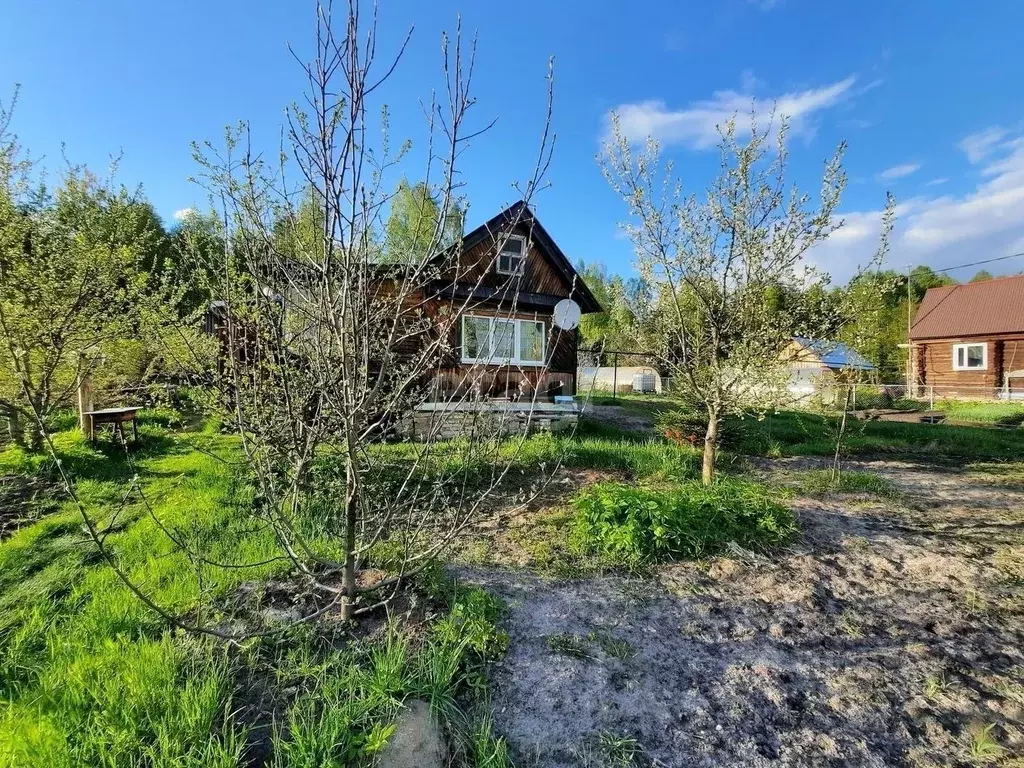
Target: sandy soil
x,y
892,633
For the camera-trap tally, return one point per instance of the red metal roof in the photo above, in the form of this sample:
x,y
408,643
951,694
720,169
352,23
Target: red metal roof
x,y
985,308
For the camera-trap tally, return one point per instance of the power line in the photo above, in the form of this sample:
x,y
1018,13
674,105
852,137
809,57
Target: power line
x,y
910,278
986,261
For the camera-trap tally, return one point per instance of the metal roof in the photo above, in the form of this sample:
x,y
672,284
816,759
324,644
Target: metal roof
x,y
985,308
835,354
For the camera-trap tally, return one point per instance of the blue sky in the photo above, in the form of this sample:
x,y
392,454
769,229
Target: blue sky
x,y
923,92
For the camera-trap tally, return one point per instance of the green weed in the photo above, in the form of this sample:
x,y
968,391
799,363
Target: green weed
x,y
569,645
983,748
612,646
935,686
635,525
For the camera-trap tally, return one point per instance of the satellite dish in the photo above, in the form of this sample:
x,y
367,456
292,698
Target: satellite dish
x,y
567,314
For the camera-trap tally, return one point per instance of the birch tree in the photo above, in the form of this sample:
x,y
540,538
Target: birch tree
x,y
716,258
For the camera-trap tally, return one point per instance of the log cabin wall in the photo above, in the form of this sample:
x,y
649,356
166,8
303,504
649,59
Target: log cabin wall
x,y
474,286
557,377
477,268
1005,354
477,271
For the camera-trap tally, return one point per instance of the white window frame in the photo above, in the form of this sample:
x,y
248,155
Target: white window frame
x,y
516,341
521,256
965,367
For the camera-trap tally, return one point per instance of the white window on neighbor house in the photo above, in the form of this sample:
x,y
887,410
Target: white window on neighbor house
x,y
499,341
512,258
970,357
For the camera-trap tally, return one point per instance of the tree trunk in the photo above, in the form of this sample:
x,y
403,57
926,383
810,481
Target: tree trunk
x,y
840,434
15,429
348,603
710,449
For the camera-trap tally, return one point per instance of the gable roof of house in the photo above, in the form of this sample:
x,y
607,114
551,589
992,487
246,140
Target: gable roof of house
x,y
985,308
835,354
519,212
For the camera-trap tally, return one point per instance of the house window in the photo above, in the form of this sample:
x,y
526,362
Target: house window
x,y
504,334
499,341
512,257
970,357
531,341
476,338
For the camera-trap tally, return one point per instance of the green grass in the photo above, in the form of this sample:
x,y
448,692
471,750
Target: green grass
x,y
982,746
1004,414
801,433
796,433
350,699
90,676
591,446
819,481
569,645
600,447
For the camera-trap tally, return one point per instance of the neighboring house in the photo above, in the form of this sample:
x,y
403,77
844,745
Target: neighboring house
x,y
968,340
814,364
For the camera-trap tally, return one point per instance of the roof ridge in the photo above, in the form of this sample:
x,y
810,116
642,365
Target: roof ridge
x,y
982,282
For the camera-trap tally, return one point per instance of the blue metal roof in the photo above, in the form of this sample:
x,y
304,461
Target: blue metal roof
x,y
835,354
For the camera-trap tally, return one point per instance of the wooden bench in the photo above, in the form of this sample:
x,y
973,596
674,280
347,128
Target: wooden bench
x,y
117,417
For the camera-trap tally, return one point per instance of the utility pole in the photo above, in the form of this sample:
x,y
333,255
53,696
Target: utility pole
x,y
909,309
910,347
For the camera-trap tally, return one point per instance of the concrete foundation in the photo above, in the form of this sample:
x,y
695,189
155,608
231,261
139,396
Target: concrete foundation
x,y
488,419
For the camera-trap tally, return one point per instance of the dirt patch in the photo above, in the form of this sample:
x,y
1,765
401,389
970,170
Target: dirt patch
x,y
620,417
528,529
888,635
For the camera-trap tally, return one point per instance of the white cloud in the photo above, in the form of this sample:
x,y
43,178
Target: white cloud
x,y
749,82
980,145
184,213
899,171
938,181
943,231
696,125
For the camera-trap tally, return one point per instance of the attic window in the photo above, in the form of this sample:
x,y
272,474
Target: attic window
x,y
970,357
512,257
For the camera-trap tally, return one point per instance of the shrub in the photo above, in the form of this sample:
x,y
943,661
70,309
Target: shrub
x,y
634,526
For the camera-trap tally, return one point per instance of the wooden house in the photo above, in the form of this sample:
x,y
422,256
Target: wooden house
x,y
814,364
968,340
480,318
504,286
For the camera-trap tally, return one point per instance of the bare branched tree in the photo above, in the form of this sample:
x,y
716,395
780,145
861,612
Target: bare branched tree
x,y
333,331
718,261
332,335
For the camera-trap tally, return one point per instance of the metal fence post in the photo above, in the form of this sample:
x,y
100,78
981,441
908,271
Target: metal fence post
x,y
931,397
